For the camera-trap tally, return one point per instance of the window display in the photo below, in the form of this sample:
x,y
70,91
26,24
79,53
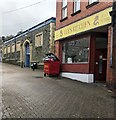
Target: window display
x,y
76,51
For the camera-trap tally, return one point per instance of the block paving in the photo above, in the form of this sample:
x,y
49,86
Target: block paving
x,y
27,94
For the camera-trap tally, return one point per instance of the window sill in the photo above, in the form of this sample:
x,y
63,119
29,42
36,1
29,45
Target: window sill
x,y
75,12
63,19
76,63
92,4
38,47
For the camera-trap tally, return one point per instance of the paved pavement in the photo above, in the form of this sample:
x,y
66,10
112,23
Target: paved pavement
x,y
27,94
0,92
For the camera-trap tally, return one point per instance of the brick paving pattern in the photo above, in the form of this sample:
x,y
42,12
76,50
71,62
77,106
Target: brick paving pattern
x,y
27,94
0,92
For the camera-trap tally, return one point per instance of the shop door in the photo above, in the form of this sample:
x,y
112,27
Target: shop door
x,y
100,65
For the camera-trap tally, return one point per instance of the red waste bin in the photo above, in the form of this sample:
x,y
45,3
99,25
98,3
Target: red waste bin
x,y
51,65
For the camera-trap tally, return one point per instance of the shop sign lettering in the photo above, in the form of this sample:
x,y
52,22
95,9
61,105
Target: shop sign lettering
x,y
99,19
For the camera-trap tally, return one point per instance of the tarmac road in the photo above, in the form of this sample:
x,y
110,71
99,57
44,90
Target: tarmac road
x,y
27,94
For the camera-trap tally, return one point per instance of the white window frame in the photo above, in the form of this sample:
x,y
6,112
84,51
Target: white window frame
x,y
77,5
92,1
64,9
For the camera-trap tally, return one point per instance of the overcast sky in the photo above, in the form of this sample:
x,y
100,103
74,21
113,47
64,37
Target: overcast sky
x,y
22,19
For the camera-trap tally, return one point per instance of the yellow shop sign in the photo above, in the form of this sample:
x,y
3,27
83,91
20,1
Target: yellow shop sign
x,y
99,19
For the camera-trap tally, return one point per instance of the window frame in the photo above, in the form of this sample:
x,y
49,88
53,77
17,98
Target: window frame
x,y
64,7
92,1
13,49
5,50
84,62
75,3
18,44
90,4
8,49
41,40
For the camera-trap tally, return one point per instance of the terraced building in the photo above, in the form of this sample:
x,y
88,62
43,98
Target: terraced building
x,y
31,45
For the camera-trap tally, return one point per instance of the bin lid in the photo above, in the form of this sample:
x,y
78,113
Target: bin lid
x,y
51,55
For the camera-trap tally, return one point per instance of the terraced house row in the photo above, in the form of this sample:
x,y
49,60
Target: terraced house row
x,y
31,45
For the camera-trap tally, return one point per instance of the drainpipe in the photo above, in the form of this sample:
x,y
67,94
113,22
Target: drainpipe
x,y
15,52
113,15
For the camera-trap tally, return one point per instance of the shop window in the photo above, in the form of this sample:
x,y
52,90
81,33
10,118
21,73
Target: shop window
x,y
92,1
76,51
38,40
64,9
76,5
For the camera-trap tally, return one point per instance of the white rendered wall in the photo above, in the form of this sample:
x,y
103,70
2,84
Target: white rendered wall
x,y
87,78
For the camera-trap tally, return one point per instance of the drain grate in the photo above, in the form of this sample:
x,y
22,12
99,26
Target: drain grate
x,y
38,76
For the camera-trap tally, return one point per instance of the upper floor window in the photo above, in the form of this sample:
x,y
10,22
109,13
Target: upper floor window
x,y
64,9
38,40
92,1
76,5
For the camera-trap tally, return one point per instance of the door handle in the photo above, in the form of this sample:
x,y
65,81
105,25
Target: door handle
x,y
96,63
104,59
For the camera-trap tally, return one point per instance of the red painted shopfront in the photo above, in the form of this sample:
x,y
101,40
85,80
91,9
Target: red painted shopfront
x,y
82,40
96,61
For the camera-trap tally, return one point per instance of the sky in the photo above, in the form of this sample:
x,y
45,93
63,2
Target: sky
x,y
17,15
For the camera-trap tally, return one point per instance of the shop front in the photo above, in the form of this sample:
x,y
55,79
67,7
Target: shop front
x,y
83,48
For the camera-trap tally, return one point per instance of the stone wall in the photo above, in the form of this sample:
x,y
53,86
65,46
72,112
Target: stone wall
x,y
37,53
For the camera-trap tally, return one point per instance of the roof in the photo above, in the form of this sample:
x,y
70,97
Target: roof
x,y
42,24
